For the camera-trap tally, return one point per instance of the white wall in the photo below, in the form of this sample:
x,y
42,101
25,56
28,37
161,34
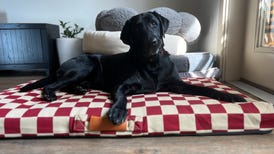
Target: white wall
x,y
235,40
84,12
209,17
208,13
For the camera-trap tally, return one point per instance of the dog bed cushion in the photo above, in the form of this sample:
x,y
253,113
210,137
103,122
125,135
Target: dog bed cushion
x,y
106,42
26,115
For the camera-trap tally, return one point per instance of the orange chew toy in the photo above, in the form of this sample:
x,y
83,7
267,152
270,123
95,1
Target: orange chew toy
x,y
103,124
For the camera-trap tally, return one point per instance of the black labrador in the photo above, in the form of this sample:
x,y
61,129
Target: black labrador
x,y
145,68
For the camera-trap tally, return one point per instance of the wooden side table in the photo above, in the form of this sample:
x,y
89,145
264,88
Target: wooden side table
x,y
28,47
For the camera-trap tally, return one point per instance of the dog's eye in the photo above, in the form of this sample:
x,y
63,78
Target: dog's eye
x,y
153,24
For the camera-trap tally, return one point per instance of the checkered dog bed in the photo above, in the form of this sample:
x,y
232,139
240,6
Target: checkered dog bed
x,y
25,115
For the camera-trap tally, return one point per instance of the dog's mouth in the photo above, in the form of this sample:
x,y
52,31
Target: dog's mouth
x,y
153,53
153,50
148,49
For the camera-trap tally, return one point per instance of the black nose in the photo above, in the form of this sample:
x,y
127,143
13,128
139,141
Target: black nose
x,y
155,42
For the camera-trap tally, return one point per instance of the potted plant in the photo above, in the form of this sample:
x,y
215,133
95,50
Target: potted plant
x,y
69,45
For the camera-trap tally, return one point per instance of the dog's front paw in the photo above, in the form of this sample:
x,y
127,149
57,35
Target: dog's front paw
x,y
79,90
117,115
231,98
48,95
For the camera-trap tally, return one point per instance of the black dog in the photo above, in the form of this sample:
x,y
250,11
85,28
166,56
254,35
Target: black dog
x,y
145,68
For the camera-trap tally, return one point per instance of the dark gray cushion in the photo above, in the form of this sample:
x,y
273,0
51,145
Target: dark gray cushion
x,y
181,62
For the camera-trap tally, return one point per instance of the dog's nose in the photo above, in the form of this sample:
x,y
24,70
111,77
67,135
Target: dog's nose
x,y
154,42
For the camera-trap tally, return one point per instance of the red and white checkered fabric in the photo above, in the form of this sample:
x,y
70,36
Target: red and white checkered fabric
x,y
25,115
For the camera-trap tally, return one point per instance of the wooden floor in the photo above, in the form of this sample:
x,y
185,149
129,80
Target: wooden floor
x,y
238,144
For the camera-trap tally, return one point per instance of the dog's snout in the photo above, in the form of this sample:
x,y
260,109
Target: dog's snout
x,y
154,42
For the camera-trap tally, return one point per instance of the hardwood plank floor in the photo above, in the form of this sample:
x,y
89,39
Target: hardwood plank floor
x,y
8,82
244,144
240,144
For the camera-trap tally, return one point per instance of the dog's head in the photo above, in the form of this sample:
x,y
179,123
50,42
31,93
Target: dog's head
x,y
144,34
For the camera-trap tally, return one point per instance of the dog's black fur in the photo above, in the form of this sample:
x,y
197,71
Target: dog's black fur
x,y
145,68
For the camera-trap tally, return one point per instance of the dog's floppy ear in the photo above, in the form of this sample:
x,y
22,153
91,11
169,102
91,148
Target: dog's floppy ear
x,y
125,34
164,22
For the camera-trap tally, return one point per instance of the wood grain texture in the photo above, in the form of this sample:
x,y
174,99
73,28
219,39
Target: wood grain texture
x,y
28,47
21,46
246,144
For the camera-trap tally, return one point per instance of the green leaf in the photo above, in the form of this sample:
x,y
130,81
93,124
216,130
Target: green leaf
x,y
69,31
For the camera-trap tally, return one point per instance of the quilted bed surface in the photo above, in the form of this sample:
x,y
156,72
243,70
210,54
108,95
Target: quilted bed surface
x,y
26,115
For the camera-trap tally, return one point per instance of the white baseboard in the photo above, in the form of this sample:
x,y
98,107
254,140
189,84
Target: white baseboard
x,y
254,91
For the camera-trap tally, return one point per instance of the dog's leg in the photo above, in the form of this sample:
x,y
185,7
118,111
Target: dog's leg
x,y
71,78
181,87
48,92
118,112
75,89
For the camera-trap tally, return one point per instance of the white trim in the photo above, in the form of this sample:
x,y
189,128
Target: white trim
x,y
223,38
254,91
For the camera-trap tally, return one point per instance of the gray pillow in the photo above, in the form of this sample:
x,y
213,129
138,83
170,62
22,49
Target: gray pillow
x,y
181,62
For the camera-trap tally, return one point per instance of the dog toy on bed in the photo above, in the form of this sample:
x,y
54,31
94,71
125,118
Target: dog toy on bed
x,y
104,124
